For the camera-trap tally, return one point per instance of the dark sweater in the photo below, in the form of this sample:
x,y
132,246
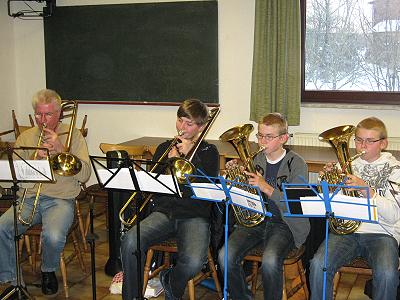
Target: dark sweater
x,y
206,159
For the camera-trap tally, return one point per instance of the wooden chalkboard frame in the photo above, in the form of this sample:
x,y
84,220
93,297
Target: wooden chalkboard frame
x,y
96,47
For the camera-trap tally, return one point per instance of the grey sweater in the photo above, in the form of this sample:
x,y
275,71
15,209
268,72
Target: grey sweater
x,y
292,168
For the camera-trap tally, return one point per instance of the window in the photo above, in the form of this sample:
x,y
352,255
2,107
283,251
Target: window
x,y
351,51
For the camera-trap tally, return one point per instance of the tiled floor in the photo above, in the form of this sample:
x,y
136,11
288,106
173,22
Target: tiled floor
x,y
350,287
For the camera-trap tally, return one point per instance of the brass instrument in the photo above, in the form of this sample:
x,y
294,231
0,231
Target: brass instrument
x,y
179,166
35,202
63,164
239,138
338,138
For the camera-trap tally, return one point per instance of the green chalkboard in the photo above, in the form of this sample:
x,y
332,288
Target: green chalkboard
x,y
133,53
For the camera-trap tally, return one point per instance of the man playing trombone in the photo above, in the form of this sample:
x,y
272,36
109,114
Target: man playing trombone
x,y
185,219
55,201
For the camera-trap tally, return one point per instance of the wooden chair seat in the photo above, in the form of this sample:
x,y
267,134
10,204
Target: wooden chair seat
x,y
168,247
358,266
294,279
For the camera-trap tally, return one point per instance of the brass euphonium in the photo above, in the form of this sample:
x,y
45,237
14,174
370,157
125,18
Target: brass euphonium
x,y
63,164
338,138
239,138
180,166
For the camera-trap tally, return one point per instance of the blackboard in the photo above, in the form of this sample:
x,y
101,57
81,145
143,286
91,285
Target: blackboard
x,y
133,53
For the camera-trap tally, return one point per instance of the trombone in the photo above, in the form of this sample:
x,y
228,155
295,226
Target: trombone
x,y
179,165
63,164
19,213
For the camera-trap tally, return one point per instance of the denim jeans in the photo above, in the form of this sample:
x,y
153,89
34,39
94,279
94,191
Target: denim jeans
x,y
193,238
380,250
277,241
56,216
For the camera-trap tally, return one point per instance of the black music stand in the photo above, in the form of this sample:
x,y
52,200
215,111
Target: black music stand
x,y
22,170
127,178
219,189
304,201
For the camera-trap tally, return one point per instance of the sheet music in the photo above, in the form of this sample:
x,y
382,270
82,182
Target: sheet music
x,y
239,197
123,180
26,170
342,206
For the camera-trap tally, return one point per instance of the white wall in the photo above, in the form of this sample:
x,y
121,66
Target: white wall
x,y
7,66
118,123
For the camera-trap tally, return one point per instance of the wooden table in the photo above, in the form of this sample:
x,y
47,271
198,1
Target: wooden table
x,y
316,157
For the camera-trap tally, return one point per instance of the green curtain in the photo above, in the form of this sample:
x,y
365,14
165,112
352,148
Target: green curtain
x,y
276,78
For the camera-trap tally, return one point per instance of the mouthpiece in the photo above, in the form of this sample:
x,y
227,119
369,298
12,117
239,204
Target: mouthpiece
x,y
357,155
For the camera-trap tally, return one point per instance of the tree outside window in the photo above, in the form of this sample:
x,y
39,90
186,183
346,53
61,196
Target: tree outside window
x,y
351,51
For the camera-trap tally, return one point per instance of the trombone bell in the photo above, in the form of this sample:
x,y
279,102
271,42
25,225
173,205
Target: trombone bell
x,y
66,164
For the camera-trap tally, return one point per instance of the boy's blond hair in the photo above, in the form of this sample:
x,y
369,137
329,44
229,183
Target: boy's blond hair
x,y
373,123
277,120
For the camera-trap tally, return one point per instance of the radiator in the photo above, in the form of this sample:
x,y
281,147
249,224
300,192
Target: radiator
x,y
311,139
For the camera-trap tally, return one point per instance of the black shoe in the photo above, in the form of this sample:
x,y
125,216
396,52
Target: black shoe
x,y
49,283
164,279
12,296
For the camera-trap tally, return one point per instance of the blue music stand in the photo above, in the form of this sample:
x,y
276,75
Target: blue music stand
x,y
220,190
298,207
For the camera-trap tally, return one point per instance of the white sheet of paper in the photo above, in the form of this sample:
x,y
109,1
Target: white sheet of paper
x,y
340,209
123,180
239,197
208,191
246,199
25,172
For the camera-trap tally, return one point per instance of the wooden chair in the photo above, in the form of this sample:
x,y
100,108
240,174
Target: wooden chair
x,y
358,266
169,247
34,250
294,279
17,129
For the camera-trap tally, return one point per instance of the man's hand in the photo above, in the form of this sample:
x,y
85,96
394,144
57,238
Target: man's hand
x,y
52,142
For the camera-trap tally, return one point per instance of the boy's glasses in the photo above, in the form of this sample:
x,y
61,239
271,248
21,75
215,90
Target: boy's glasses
x,y
266,137
359,141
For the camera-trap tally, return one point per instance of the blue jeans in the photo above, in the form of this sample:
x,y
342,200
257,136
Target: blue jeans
x,y
193,238
380,250
56,216
277,241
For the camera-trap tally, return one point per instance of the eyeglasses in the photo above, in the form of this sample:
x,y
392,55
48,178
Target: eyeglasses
x,y
359,140
47,115
267,137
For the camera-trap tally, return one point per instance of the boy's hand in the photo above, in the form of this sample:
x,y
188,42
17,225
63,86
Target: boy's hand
x,y
257,179
357,181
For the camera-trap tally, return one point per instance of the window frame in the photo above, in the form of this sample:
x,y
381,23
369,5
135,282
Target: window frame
x,y
339,96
